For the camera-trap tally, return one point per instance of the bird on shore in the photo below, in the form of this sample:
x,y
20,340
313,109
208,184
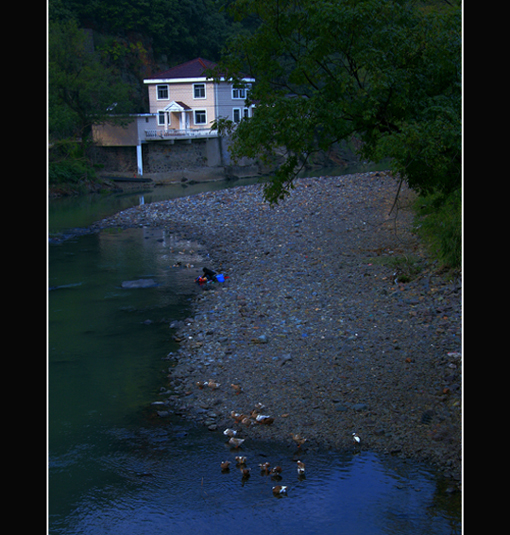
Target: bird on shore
x,y
201,384
230,432
246,421
237,416
298,439
224,466
356,439
280,489
237,388
300,468
212,385
236,442
264,419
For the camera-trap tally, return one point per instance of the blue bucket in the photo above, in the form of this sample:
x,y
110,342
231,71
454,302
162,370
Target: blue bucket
x,y
220,278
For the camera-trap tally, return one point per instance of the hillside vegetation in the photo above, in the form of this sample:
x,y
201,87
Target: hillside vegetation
x,y
385,71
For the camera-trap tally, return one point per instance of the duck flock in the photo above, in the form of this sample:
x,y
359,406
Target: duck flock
x,y
255,417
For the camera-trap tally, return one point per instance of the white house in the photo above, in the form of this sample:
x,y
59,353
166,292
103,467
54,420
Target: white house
x,y
183,103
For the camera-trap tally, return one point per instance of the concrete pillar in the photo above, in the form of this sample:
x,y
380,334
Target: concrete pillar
x,y
139,161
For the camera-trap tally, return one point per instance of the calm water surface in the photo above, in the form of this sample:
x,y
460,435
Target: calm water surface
x,y
115,467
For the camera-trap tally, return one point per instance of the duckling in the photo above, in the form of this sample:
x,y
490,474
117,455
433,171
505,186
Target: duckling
x,y
246,421
245,472
201,384
259,406
240,459
276,470
264,467
237,389
300,468
225,466
298,439
280,489
230,432
236,442
212,385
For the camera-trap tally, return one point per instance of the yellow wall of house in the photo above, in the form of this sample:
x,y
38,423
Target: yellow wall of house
x,y
184,92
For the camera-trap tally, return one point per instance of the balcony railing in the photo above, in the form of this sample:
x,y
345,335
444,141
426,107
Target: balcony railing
x,y
154,135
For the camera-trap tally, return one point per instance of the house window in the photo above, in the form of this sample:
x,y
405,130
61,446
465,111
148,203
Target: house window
x,y
198,90
200,117
246,113
162,92
240,92
236,115
161,118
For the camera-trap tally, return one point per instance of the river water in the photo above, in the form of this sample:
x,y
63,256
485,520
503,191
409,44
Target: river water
x,y
116,467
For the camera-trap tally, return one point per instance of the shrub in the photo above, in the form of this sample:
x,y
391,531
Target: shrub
x,y
438,222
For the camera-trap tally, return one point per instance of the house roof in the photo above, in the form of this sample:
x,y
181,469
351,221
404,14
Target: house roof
x,y
177,105
191,70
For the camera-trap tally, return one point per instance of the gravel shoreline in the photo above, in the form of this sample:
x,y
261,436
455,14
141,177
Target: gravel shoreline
x,y
314,321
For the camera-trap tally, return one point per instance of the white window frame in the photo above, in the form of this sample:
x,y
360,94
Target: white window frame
x,y
234,110
195,94
240,93
167,91
161,114
195,117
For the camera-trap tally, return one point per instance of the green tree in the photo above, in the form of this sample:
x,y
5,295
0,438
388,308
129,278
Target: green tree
x,y
82,90
388,71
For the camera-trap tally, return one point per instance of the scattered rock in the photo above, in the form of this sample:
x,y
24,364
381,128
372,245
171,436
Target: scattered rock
x,y
311,321
140,283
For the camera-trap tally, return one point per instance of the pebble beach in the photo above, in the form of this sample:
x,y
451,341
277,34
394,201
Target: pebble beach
x,y
332,319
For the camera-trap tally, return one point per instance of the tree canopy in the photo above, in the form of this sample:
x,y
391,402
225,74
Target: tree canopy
x,y
388,71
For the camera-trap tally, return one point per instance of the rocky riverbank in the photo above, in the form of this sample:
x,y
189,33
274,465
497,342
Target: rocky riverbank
x,y
332,317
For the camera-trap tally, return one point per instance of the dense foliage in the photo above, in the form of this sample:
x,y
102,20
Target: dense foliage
x,y
387,71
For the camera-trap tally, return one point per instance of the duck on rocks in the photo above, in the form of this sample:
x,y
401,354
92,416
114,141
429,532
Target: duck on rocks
x,y
236,442
298,439
212,384
237,388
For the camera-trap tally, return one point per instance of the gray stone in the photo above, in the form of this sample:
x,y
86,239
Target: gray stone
x,y
140,283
